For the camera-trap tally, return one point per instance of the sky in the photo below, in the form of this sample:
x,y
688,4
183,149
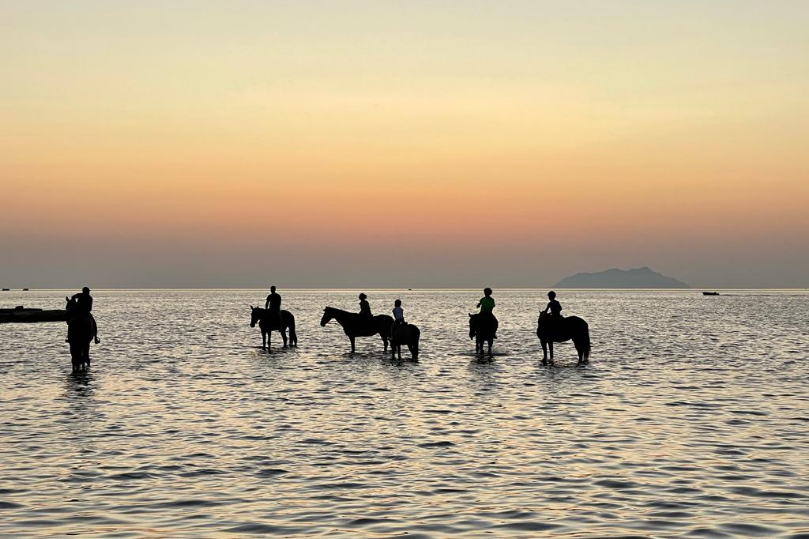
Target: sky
x,y
376,143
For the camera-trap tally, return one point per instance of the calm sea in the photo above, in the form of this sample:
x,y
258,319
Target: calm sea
x,y
692,420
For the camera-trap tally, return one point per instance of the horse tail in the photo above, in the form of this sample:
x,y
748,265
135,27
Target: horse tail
x,y
415,339
586,348
293,337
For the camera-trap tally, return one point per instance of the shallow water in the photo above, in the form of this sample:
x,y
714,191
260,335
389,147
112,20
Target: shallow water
x,y
692,420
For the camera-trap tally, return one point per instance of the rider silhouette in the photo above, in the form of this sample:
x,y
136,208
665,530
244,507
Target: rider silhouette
x,y
398,315
365,307
84,306
554,306
398,312
273,304
486,304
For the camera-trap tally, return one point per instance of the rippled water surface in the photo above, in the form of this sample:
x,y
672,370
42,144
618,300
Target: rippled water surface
x,y
692,420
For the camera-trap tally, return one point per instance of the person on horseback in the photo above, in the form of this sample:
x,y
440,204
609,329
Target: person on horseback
x,y
486,304
365,307
84,306
398,316
398,312
273,305
554,307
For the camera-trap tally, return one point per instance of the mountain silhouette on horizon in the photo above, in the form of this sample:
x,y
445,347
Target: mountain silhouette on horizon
x,y
617,278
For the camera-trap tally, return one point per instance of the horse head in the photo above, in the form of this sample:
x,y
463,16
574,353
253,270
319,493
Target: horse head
x,y
70,307
255,316
472,326
328,316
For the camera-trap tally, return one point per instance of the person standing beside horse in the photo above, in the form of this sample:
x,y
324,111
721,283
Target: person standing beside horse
x,y
273,305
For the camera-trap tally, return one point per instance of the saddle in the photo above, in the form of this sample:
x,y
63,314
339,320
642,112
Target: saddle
x,y
553,326
274,318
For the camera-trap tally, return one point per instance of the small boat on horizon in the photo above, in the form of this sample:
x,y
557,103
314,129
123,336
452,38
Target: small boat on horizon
x,y
710,293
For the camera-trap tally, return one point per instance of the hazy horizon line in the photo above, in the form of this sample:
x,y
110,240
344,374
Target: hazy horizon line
x,y
402,289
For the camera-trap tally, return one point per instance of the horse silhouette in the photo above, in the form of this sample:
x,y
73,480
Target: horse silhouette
x,y
550,330
356,325
268,323
79,335
406,334
483,328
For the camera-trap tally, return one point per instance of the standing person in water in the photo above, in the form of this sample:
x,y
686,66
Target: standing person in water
x,y
273,305
554,307
365,307
84,306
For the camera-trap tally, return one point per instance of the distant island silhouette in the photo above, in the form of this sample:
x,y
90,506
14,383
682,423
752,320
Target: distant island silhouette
x,y
617,278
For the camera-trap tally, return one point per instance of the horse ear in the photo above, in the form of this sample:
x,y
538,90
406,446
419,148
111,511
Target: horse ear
x,y
252,307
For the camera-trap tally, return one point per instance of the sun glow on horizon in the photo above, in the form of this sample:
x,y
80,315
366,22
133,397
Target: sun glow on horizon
x,y
607,133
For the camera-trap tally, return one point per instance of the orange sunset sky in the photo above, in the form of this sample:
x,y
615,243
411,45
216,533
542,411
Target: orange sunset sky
x,y
421,143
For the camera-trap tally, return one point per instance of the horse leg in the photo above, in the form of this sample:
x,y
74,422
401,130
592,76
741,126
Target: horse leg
x,y
74,360
491,341
544,352
353,344
384,340
263,339
550,347
86,355
283,332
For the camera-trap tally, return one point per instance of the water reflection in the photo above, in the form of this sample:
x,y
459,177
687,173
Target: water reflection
x,y
188,430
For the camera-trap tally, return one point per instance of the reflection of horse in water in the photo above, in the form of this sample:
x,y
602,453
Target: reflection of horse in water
x,y
80,331
550,330
406,334
356,325
482,328
267,322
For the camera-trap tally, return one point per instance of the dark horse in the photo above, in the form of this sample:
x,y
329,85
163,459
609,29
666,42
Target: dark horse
x,y
268,323
79,334
356,325
550,331
407,334
482,327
